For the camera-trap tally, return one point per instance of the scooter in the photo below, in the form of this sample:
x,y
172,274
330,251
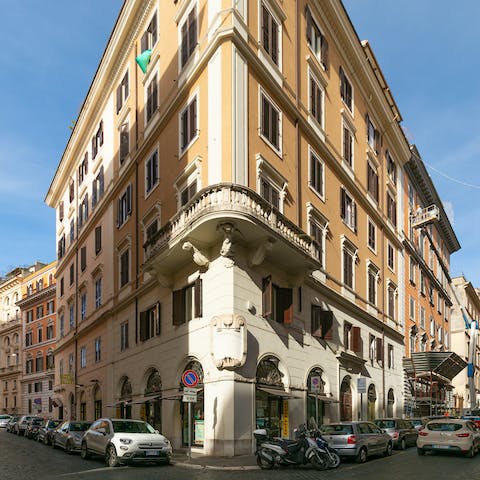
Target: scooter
x,y
278,451
330,454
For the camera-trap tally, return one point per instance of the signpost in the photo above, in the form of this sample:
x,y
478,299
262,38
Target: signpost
x,y
189,379
316,384
362,388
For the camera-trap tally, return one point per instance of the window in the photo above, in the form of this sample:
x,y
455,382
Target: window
x,y
188,124
277,302
71,310
97,140
50,307
39,312
413,271
83,306
151,230
124,268
124,142
316,101
62,325
72,273
321,323
72,231
391,300
83,357
422,318
372,350
390,357
349,255
71,191
29,365
124,208
422,283
50,332
346,90
28,339
270,34
318,231
372,181
83,211
188,193
270,193
372,235
316,173
98,349
61,211
83,258
149,37
348,209
391,209
29,316
391,169
187,303
150,322
98,188
351,337
40,334
70,363
123,336
98,239
347,153
50,365
412,309
270,122
373,277
151,172
83,169
61,247
152,98
432,327
373,135
390,257
316,40
98,292
39,364
122,91
188,36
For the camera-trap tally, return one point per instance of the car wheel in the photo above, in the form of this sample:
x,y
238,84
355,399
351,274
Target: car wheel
x,y
84,451
420,451
471,452
69,447
362,455
389,449
111,458
403,444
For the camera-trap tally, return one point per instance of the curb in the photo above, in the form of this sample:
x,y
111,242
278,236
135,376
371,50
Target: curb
x,y
215,467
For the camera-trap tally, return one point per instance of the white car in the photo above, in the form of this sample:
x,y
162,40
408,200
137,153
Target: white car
x,y
125,441
4,420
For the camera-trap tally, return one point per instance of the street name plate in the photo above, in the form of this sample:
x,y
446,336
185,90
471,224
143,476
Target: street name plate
x,y
189,391
189,398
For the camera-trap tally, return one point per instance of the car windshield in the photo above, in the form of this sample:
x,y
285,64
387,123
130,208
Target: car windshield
x,y
444,427
120,426
385,423
415,421
79,426
37,421
3,417
53,423
336,429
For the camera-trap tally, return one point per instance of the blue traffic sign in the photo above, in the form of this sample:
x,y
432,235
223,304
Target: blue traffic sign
x,y
190,378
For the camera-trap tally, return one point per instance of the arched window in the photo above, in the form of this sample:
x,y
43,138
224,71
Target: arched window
x,y
316,387
97,403
390,403
153,406
345,400
126,399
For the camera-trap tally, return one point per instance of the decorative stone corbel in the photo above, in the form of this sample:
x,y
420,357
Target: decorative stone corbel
x,y
198,257
228,341
258,256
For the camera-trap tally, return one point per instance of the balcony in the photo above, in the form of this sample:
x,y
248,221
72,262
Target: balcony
x,y
227,215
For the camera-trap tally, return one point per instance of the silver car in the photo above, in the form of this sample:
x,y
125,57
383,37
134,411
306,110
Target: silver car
x,y
69,435
357,440
4,420
403,433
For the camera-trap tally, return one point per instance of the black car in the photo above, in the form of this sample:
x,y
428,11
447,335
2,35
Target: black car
x,y
45,432
31,430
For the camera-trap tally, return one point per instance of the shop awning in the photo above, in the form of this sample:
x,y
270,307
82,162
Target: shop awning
x,y
445,364
119,403
279,393
57,401
324,398
146,398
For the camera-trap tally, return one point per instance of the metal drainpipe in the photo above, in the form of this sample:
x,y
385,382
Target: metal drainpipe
x,y
73,414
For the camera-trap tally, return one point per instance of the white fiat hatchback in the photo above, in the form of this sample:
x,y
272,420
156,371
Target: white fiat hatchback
x,y
125,441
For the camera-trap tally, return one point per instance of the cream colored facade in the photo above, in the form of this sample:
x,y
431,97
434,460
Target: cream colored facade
x,y
246,223
466,298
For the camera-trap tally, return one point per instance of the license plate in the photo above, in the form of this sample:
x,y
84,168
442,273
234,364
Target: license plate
x,y
441,446
152,453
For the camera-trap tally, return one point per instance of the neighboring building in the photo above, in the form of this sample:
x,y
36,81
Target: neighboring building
x,y
466,298
236,211
38,333
11,345
430,362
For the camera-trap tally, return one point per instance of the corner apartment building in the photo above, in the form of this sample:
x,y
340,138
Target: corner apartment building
x,y
466,308
37,309
237,210
11,344
431,363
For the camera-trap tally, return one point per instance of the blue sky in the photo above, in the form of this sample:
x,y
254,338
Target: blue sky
x,y
426,49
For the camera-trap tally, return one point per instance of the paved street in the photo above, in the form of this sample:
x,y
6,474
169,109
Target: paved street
x,y
25,459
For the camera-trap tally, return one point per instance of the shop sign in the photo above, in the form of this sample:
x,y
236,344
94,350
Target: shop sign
x,y
285,425
362,385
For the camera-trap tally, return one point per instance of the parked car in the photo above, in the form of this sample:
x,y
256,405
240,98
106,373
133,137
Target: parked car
x,y
416,422
123,441
31,430
403,433
4,420
12,423
46,429
357,439
69,435
473,418
451,435
21,425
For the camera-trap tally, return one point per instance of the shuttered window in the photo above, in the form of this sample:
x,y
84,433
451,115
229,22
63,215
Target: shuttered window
x,y
188,124
189,37
150,323
277,302
188,303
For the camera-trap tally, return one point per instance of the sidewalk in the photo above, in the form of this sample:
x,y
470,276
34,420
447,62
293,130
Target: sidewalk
x,y
199,461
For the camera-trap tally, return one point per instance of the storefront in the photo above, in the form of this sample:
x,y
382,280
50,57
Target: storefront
x,y
390,403
152,408
124,408
372,402
316,395
346,400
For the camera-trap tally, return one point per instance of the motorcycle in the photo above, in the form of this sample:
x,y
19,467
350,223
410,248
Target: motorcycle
x,y
278,451
330,455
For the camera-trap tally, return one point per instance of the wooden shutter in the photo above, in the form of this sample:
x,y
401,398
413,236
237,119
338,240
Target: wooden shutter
x,y
274,40
342,203
158,325
356,339
267,297
197,292
285,304
354,215
192,31
98,239
193,120
143,326
60,211
129,199
153,29
308,17
144,42
316,321
378,141
342,84
83,258
178,298
324,52
326,323
379,349
184,51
